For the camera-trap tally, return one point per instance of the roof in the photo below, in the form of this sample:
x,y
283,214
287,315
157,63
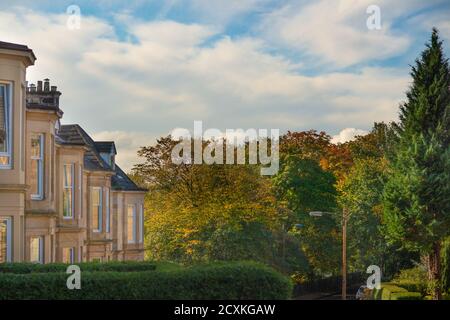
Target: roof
x,y
106,146
73,134
120,181
17,47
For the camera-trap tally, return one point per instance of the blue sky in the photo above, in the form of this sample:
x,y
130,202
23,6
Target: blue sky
x,y
136,70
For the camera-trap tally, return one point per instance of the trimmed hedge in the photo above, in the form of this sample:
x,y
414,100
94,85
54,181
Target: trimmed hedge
x,y
406,296
118,266
386,290
237,280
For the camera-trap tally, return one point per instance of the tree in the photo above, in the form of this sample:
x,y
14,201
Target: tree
x,y
200,212
417,194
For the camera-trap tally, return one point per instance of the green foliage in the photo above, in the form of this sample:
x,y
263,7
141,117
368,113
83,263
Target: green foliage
x,y
304,186
445,256
117,266
417,206
237,280
406,296
413,279
384,293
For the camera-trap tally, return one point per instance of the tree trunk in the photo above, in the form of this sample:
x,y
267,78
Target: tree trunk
x,y
434,270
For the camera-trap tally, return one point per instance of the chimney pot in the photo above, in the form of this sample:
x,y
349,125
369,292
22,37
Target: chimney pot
x,y
46,85
53,88
39,86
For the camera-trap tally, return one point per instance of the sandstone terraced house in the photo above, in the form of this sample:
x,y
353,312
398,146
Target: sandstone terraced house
x,y
62,196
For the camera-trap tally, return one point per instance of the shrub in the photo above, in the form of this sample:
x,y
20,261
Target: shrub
x,y
236,280
413,279
384,293
406,296
118,266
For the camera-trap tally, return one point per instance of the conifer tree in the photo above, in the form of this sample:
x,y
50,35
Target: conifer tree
x,y
417,194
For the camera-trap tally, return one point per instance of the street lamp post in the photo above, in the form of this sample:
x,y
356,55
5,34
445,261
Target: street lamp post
x,y
345,217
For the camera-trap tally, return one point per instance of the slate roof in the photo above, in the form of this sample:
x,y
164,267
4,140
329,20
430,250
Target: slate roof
x,y
15,46
73,134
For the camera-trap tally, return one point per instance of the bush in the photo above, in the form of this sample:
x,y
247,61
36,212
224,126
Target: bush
x,y
406,296
386,290
413,279
236,280
118,266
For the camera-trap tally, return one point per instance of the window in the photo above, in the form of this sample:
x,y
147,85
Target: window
x,y
68,191
96,209
80,189
37,249
5,239
37,167
68,255
131,223
141,223
5,126
108,218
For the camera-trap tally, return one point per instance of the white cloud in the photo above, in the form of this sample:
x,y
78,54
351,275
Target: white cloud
x,y
176,73
348,134
127,145
334,32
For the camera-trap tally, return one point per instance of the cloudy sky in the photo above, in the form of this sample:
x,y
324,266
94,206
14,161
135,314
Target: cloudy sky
x,y
136,69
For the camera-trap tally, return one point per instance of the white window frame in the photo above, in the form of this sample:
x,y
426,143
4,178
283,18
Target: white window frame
x,y
9,124
40,167
71,188
107,211
41,249
100,209
133,240
8,238
141,223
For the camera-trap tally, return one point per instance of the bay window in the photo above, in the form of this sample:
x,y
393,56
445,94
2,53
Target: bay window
x,y
5,126
68,191
96,209
5,239
131,223
37,167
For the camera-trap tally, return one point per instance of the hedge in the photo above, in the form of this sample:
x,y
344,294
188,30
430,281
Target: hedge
x,y
125,266
384,293
239,280
406,296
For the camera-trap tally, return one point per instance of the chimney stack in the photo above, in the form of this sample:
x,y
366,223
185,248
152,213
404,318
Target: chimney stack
x,y
45,96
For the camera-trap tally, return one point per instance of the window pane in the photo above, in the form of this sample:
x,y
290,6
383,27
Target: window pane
x,y
36,146
34,174
131,224
96,209
4,240
67,200
36,250
2,120
108,227
68,175
68,255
